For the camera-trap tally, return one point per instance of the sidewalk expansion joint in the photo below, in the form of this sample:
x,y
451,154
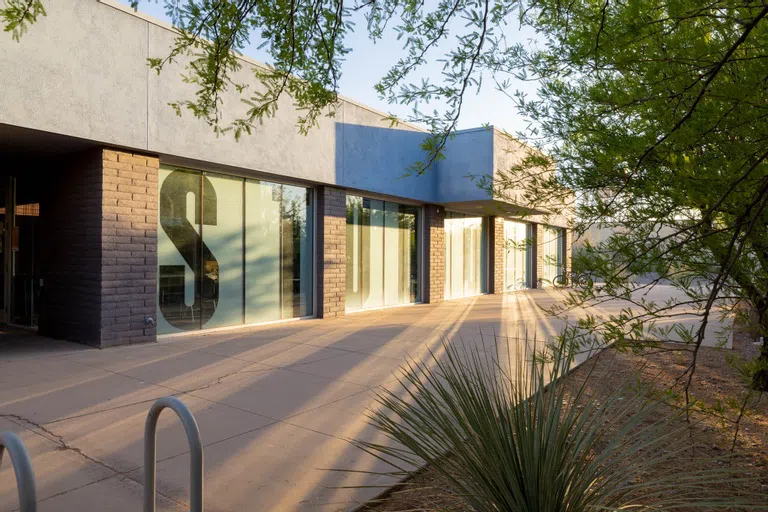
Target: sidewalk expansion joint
x,y
32,426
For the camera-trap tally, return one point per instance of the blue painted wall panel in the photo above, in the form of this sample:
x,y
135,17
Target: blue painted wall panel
x,y
376,159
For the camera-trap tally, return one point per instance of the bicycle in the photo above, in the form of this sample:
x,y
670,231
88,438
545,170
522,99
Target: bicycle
x,y
579,280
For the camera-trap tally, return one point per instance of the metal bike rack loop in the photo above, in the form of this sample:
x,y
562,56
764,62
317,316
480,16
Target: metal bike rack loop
x,y
22,466
195,453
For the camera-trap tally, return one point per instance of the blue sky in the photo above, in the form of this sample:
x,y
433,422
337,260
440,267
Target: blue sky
x,y
369,61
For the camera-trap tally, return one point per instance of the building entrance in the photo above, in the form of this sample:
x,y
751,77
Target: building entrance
x,y
19,245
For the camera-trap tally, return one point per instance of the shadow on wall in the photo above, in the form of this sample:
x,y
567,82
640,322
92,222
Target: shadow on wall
x,y
377,159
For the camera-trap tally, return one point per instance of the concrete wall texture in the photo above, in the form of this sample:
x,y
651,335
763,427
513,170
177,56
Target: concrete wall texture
x,y
106,45
126,104
470,152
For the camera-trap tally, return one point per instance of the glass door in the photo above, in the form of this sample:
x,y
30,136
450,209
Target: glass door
x,y
21,256
517,255
4,244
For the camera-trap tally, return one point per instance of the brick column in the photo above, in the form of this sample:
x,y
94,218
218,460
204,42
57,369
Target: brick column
x,y
128,247
434,254
568,249
331,252
99,264
70,256
496,244
538,262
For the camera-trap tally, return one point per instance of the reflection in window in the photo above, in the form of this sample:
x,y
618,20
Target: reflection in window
x,y
222,276
179,251
278,236
465,255
231,251
382,254
296,252
517,255
552,253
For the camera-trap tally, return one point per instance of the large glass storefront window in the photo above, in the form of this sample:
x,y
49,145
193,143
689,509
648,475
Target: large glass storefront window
x,y
553,254
517,255
231,251
382,253
465,255
223,253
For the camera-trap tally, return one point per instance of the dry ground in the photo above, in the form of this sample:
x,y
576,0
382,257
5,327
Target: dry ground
x,y
712,433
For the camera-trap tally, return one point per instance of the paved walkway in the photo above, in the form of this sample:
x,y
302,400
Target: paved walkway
x,y
274,405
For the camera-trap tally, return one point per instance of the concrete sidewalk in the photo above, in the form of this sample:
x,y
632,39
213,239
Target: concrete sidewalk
x,y
274,405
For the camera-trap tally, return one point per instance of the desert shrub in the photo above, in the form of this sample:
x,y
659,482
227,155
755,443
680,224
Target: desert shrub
x,y
504,430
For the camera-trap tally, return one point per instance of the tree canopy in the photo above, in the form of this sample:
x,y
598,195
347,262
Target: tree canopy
x,y
655,114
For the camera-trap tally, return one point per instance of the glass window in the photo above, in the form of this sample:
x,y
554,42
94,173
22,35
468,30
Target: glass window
x,y
231,251
373,254
179,251
465,255
296,250
409,254
382,254
552,254
517,255
354,298
262,253
456,256
393,262
222,277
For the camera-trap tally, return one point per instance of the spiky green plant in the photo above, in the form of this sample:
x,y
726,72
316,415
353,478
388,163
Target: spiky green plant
x,y
509,435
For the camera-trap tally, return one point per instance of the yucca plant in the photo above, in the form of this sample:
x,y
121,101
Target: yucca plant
x,y
509,435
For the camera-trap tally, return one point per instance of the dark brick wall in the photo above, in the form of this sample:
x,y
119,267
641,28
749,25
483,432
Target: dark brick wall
x,y
537,232
129,247
70,261
331,252
98,221
434,257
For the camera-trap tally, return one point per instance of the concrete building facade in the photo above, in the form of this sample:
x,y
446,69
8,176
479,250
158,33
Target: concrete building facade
x,y
122,221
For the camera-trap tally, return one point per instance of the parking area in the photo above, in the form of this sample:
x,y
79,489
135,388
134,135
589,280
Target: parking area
x,y
275,405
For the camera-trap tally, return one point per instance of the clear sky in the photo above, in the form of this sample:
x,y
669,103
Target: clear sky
x,y
369,61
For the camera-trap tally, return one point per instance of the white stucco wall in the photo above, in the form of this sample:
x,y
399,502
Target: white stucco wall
x,y
78,71
81,71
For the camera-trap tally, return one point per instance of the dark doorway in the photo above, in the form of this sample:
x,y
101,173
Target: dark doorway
x,y
50,234
25,276
19,244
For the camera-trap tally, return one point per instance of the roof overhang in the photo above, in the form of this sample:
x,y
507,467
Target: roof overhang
x,y
493,207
